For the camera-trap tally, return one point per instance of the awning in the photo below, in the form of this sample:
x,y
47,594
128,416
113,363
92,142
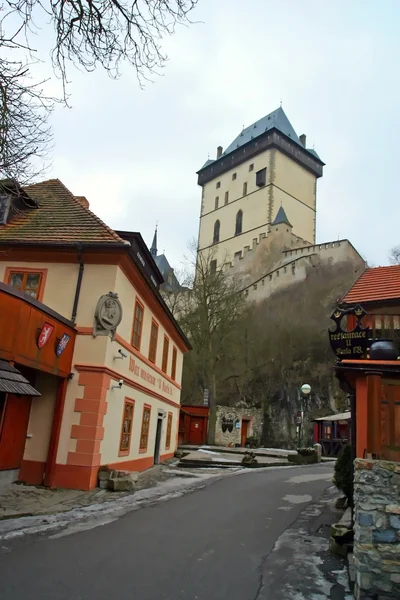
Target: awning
x,y
13,382
339,417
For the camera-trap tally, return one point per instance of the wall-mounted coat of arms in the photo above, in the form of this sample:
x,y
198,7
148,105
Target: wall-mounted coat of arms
x,y
227,424
108,315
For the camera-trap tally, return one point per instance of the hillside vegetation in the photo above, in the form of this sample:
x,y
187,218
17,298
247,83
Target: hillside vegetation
x,y
261,354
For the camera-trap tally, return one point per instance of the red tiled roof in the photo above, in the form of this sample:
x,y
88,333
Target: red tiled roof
x,y
379,283
60,217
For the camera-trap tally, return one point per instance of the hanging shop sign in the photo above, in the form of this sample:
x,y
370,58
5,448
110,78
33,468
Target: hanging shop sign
x,y
349,344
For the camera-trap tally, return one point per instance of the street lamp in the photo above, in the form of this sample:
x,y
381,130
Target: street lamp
x,y
305,391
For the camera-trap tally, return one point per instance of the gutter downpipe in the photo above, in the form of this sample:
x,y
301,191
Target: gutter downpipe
x,y
79,247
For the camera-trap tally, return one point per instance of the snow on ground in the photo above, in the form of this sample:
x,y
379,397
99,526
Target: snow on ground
x,y
277,451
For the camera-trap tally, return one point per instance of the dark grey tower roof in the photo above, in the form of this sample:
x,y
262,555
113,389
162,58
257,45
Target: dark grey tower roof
x,y
277,119
281,218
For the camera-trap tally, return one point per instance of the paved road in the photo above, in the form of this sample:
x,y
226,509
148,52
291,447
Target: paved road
x,y
212,544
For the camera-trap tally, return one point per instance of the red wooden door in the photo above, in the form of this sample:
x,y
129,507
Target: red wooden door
x,y
196,430
13,429
245,425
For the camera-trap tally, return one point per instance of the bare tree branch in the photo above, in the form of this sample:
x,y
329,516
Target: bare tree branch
x,y
394,255
24,130
86,34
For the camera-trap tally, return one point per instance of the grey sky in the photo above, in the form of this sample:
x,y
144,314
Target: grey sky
x,y
335,65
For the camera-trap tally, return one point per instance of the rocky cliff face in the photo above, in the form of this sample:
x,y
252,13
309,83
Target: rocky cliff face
x,y
279,422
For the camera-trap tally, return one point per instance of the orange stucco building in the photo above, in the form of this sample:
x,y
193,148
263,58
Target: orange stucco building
x,y
374,382
119,397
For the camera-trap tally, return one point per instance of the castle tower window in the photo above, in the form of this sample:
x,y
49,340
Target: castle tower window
x,y
213,267
261,177
239,222
234,175
217,226
245,188
226,197
216,202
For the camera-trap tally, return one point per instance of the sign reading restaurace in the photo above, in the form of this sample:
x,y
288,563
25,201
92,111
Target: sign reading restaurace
x,y
350,345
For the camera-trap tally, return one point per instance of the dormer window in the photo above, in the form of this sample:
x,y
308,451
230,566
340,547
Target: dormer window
x,y
13,199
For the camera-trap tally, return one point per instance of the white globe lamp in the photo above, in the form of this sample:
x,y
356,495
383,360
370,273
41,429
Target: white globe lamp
x,y
305,389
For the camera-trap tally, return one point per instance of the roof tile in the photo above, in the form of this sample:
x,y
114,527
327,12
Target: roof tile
x,y
60,217
375,284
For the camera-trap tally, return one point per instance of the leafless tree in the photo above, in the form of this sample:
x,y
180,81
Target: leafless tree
x,y
208,313
86,34
25,136
394,255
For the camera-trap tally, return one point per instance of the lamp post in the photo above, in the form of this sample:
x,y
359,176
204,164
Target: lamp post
x,y
305,391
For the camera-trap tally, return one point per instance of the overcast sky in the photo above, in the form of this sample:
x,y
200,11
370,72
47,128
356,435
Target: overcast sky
x,y
335,65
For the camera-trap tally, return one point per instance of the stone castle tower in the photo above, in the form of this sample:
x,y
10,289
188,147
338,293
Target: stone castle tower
x,y
265,168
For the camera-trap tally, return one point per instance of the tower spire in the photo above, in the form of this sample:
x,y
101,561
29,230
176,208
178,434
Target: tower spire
x,y
153,249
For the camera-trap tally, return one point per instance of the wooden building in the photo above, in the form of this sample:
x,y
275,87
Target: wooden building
x,y
38,344
373,381
193,425
332,432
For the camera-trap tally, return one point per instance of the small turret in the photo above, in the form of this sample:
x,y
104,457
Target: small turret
x,y
281,218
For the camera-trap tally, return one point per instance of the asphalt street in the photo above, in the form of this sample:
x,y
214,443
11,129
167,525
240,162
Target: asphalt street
x,y
215,543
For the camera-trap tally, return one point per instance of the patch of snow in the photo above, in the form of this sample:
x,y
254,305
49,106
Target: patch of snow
x,y
310,477
307,575
297,499
343,579
278,450
78,527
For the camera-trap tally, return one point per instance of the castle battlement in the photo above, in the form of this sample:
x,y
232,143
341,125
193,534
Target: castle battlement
x,y
247,255
293,265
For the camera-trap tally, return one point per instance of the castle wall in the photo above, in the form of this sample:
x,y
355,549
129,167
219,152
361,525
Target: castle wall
x,y
291,267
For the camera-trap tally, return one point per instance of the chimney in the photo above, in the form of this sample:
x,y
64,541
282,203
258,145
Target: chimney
x,y
303,139
83,201
219,151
